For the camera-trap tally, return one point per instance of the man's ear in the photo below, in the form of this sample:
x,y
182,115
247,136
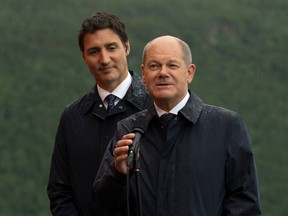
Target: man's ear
x,y
83,57
191,73
143,74
127,48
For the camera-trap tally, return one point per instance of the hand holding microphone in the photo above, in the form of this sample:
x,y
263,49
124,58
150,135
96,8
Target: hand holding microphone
x,y
127,149
121,153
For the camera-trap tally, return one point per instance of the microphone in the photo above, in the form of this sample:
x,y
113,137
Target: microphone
x,y
139,128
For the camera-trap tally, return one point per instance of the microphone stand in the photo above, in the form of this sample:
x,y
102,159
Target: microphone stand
x,y
133,162
135,165
138,188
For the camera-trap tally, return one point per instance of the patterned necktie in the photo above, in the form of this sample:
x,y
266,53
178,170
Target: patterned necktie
x,y
166,118
110,100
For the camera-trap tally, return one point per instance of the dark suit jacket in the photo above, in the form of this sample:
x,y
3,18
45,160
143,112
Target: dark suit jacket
x,y
202,166
83,133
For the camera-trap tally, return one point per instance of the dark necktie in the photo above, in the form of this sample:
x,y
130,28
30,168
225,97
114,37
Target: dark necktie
x,y
110,100
166,118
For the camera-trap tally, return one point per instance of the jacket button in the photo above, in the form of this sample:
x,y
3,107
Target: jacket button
x,y
120,107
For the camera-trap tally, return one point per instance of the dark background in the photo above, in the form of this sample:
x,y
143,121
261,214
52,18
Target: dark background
x,y
239,47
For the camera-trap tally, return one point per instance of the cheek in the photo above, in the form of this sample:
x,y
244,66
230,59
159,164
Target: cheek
x,y
120,56
149,85
87,61
90,64
144,78
149,81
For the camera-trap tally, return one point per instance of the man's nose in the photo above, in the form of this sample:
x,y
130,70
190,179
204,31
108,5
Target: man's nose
x,y
104,57
163,70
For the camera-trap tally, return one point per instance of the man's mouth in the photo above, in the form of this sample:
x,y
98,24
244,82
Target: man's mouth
x,y
163,84
106,68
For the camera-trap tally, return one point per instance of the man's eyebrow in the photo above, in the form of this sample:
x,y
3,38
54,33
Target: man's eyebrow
x,y
173,62
94,48
105,45
111,44
152,61
156,61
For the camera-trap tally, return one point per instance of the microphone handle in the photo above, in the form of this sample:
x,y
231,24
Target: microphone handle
x,y
133,150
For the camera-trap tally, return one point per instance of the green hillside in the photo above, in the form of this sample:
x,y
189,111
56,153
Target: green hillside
x,y
239,47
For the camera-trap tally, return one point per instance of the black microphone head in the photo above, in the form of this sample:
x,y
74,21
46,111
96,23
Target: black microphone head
x,y
140,124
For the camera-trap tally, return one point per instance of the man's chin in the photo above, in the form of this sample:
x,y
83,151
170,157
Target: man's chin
x,y
161,97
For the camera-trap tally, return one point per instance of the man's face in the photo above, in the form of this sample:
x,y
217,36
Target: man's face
x,y
165,73
106,57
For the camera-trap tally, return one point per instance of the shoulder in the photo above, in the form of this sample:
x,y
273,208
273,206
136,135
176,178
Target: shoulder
x,y
133,120
196,110
82,104
137,83
222,117
137,93
219,111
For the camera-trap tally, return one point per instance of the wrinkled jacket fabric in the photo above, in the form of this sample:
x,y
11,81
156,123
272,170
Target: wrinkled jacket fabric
x,y
204,168
84,131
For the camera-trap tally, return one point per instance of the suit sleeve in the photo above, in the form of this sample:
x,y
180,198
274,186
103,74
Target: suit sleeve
x,y
109,188
59,188
241,177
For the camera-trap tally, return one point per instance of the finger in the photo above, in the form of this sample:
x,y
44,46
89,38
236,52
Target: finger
x,y
128,136
120,158
126,140
122,150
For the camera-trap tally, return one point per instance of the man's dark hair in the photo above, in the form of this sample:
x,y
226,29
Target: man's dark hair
x,y
102,20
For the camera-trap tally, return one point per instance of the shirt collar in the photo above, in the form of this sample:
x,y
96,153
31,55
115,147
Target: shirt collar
x,y
175,109
119,91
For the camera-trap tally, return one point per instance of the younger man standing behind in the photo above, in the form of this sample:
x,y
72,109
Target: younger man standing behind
x,y
87,125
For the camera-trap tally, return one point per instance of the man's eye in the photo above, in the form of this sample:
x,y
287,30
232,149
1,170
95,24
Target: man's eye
x,y
112,48
92,52
153,66
173,66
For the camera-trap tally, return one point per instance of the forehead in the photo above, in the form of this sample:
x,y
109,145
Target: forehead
x,y
101,37
164,50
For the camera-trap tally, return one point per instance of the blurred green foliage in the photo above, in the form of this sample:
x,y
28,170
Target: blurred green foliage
x,y
239,48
